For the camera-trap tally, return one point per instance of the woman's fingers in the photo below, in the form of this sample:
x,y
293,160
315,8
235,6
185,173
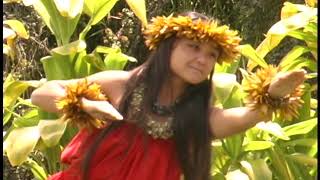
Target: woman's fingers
x,y
101,110
285,83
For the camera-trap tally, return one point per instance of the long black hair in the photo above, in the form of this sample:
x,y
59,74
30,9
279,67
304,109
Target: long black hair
x,y
191,126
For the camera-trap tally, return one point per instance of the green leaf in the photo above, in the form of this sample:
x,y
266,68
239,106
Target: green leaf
x,y
299,63
18,27
81,67
278,163
230,68
272,128
233,145
69,8
62,27
257,145
235,98
248,51
38,171
256,169
70,48
20,143
51,131
95,60
304,36
293,54
309,142
303,159
98,9
300,128
139,9
58,67
115,61
223,84
12,90
30,118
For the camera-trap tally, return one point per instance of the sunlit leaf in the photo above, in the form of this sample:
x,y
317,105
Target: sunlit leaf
x,y
248,51
303,159
37,170
237,175
74,47
30,118
300,128
293,54
18,27
223,84
257,145
69,8
98,9
139,9
20,143
272,128
12,90
51,131
256,169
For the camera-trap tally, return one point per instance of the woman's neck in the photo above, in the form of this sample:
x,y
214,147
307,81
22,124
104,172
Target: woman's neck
x,y
171,90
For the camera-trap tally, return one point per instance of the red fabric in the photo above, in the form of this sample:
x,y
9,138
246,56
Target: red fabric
x,y
121,156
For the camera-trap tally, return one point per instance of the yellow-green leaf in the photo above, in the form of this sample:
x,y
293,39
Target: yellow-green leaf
x,y
223,84
20,143
98,9
303,159
272,128
257,145
12,90
74,47
51,131
18,27
248,51
139,9
69,8
293,54
257,169
288,10
300,128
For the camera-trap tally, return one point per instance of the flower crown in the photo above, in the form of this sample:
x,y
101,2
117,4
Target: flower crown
x,y
199,30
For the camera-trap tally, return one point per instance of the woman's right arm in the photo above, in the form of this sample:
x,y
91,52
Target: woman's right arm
x,y
112,85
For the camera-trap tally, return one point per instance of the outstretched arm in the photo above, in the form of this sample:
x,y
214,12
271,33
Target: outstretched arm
x,y
226,122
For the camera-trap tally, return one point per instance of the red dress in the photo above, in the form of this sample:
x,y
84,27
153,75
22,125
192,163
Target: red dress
x,y
121,156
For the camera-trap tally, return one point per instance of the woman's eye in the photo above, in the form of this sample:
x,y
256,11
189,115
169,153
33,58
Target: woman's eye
x,y
194,46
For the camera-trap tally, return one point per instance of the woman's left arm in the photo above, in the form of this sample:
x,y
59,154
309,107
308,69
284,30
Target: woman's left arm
x,y
226,122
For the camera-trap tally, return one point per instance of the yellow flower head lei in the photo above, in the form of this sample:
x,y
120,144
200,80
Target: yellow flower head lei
x,y
71,105
199,30
256,86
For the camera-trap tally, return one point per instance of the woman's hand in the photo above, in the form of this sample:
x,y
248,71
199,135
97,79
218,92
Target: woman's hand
x,y
285,83
102,110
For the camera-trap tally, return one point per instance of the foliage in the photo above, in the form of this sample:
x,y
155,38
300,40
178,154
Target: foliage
x,y
273,150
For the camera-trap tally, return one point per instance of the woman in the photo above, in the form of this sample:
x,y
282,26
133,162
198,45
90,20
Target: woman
x,y
166,122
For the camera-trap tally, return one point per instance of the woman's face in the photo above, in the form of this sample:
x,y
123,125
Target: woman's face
x,y
192,61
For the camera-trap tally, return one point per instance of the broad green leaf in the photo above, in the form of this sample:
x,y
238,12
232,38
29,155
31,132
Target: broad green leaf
x,y
98,9
95,60
51,131
233,145
61,27
69,8
300,128
235,98
288,10
37,170
139,9
237,175
18,27
58,67
278,163
310,142
20,143
272,128
300,63
70,48
115,61
30,118
217,176
270,42
247,51
293,54
12,90
304,111
223,84
303,159
304,36
257,145
230,68
81,67
256,169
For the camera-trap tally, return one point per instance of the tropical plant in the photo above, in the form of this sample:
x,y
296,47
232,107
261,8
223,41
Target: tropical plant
x,y
279,149
37,130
